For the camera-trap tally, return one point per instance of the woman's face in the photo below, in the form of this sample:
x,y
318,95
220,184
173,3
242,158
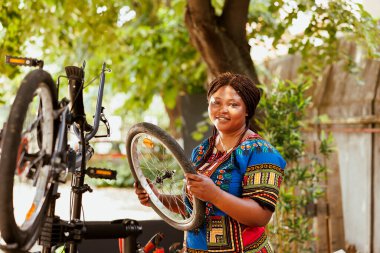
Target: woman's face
x,y
227,110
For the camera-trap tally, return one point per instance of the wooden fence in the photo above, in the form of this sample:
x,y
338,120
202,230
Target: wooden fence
x,y
349,217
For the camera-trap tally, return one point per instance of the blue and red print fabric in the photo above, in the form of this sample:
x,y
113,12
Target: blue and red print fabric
x,y
254,169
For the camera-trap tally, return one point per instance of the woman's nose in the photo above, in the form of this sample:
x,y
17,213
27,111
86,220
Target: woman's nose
x,y
224,108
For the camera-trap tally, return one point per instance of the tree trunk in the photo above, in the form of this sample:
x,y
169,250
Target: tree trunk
x,y
221,40
174,115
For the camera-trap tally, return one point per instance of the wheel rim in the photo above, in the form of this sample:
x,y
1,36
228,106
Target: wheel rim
x,y
32,176
152,161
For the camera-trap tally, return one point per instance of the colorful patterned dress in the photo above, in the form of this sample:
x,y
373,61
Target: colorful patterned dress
x,y
254,169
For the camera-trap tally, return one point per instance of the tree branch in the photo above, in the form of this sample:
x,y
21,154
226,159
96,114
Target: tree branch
x,y
200,11
234,19
224,47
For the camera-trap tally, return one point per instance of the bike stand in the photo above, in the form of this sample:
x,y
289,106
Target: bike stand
x,y
58,232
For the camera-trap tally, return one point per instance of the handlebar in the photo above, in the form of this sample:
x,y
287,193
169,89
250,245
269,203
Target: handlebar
x,y
98,104
76,80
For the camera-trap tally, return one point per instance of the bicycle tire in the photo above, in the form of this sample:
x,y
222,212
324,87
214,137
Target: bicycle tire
x,y
37,89
183,165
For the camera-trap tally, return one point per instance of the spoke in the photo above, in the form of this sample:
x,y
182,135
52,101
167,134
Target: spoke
x,y
157,164
33,125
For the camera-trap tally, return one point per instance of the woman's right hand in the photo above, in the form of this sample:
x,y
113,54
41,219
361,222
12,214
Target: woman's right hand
x,y
141,194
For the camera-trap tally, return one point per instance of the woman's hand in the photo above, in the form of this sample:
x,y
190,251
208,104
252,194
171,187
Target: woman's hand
x,y
202,187
142,194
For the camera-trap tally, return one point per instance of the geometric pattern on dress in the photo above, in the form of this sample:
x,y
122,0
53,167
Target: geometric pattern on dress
x,y
262,182
222,176
196,251
261,245
223,235
257,146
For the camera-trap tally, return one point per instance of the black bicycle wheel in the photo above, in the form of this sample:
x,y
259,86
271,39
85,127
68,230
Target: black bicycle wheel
x,y
25,172
158,163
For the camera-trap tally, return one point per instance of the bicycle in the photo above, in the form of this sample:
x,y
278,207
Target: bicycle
x,y
35,153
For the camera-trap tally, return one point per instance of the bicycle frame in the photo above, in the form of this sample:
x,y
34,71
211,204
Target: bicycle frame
x,y
64,160
75,230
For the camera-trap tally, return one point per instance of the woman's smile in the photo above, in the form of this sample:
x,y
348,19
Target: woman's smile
x,y
222,118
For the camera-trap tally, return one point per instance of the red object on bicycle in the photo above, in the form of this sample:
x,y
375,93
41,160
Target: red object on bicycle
x,y
121,242
159,250
21,149
148,247
153,243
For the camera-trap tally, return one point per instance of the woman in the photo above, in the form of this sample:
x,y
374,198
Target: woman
x,y
239,173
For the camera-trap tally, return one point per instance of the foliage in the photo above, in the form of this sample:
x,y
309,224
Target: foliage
x,y
1,98
322,38
284,105
147,46
161,54
145,43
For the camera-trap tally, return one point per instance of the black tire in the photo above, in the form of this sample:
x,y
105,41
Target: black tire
x,y
175,183
21,147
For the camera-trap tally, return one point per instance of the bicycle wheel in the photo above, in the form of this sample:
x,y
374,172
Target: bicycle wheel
x,y
158,163
25,160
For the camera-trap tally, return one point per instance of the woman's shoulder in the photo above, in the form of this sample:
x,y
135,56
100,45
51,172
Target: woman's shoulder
x,y
256,143
200,150
259,148
203,145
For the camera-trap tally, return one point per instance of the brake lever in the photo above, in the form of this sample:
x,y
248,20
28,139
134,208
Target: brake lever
x,y
106,123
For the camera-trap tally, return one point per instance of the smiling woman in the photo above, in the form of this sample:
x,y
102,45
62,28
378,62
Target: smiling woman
x,y
238,173
228,114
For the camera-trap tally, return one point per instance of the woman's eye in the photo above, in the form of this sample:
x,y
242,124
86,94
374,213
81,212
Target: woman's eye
x,y
234,105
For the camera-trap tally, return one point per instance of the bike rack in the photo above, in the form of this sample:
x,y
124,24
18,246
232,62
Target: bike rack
x,y
57,232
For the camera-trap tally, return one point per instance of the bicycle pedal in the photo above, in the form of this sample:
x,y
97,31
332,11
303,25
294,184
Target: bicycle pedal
x,y
24,61
101,173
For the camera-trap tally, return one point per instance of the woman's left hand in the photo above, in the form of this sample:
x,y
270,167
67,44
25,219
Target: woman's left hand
x,y
202,187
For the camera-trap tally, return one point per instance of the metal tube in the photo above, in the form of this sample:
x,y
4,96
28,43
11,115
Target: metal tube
x,y
98,105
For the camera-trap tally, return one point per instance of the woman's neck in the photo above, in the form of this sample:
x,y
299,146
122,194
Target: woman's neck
x,y
228,140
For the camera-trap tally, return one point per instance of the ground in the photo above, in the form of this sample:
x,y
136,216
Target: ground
x,y
103,204
106,204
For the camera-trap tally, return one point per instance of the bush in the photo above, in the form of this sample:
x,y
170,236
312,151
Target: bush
x,y
284,106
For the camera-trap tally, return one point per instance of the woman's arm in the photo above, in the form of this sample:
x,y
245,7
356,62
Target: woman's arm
x,y
244,210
